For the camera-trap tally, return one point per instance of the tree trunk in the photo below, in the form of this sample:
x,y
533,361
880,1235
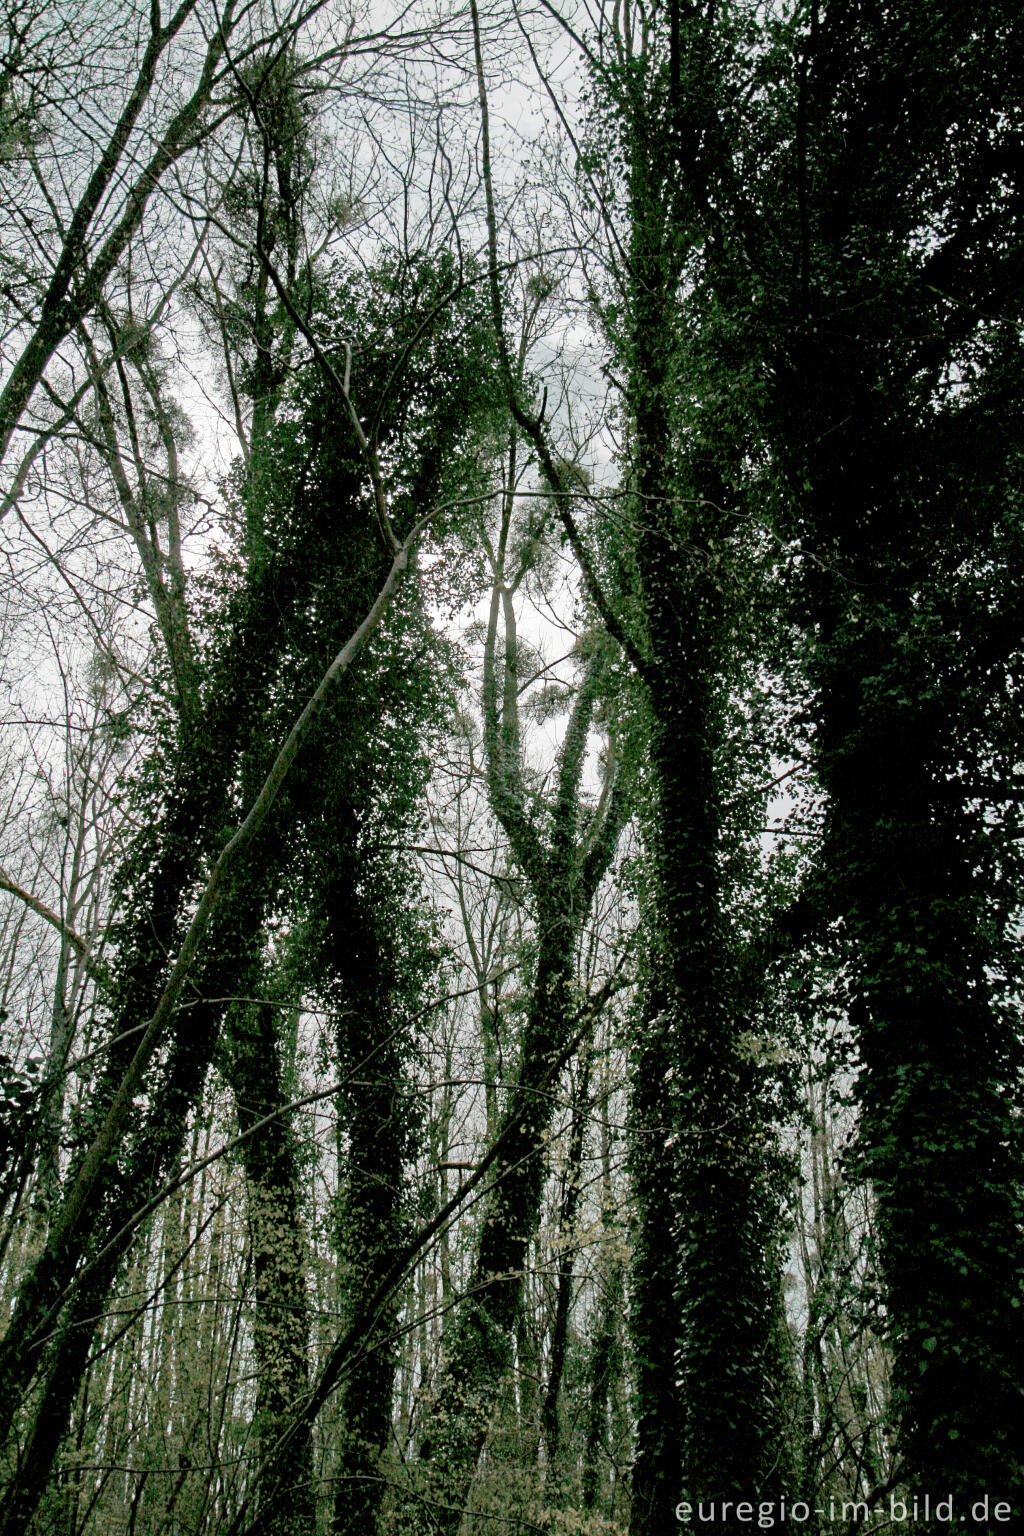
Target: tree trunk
x,y
706,1255
281,1325
478,1356
373,1128
551,1418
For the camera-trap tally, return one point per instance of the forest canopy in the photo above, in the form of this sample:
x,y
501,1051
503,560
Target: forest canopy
x,y
511,873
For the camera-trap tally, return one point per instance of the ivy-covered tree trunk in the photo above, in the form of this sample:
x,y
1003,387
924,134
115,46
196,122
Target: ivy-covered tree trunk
x,y
281,1323
477,1352
317,538
374,1115
705,1276
149,1159
908,862
706,1259
172,849
563,869
904,485
654,1311
939,1135
572,1179
42,1290
605,1372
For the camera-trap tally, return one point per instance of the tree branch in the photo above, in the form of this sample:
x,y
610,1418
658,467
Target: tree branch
x,y
533,426
78,944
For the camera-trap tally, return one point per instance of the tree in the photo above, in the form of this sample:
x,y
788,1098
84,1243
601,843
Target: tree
x,y
510,895
705,1186
899,497
865,277
197,787
70,236
561,851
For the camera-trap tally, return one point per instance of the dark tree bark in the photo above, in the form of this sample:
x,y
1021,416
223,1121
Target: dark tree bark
x,y
551,1407
901,497
281,1324
704,1277
373,1129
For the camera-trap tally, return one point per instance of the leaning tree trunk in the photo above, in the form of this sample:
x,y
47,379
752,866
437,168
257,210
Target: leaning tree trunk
x,y
164,868
152,1154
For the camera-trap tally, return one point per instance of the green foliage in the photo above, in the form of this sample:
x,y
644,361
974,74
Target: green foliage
x,y
19,1096
816,549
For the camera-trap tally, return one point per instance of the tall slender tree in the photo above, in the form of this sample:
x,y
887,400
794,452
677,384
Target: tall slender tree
x,y
562,850
706,1263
